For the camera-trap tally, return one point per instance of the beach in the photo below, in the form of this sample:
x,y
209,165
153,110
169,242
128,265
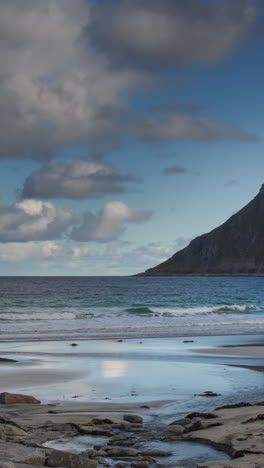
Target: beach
x,y
160,379
96,350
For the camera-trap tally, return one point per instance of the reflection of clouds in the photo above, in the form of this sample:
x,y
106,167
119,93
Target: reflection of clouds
x,y
114,369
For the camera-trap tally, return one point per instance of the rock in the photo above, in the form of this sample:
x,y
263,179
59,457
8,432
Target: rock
x,y
15,398
140,464
242,404
10,430
7,360
208,394
98,421
18,453
201,415
74,344
155,453
119,452
93,430
175,429
181,422
133,418
56,458
7,465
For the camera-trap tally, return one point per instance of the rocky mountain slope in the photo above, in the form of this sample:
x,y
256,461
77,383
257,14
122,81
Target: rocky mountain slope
x,y
234,248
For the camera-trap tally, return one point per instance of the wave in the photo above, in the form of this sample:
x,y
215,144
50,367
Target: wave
x,y
119,312
182,311
37,316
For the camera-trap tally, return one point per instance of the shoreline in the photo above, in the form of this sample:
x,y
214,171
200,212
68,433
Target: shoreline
x,y
151,378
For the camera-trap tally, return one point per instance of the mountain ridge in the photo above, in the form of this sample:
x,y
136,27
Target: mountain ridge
x,y
235,248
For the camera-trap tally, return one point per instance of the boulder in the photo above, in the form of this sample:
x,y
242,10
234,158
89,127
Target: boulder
x,y
181,422
120,452
175,429
19,453
133,418
15,398
10,430
69,460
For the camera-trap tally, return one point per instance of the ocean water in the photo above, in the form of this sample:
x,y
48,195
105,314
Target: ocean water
x,y
59,308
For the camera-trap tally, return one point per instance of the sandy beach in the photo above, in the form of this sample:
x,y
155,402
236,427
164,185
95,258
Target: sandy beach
x,y
160,380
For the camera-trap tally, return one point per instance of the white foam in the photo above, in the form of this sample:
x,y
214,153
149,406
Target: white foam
x,y
202,310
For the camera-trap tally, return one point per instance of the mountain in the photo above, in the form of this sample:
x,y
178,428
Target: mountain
x,y
234,248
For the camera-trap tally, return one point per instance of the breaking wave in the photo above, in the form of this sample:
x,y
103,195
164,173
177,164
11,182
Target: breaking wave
x,y
182,311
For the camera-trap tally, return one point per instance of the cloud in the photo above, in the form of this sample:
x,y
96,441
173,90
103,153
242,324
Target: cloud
x,y
30,251
231,183
155,33
54,88
174,170
76,179
181,127
172,106
59,84
31,220
109,224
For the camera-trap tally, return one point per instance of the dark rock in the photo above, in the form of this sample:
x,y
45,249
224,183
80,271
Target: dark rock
x,y
7,360
181,422
188,341
242,404
93,430
15,398
141,464
201,415
145,406
98,421
234,248
132,418
74,344
259,417
155,453
208,394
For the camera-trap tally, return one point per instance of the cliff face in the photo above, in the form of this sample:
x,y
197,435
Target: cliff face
x,y
234,248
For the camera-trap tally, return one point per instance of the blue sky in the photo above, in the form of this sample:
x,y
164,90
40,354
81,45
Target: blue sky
x,y
127,129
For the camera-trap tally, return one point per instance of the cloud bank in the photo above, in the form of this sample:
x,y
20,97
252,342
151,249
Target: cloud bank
x,y
76,179
156,33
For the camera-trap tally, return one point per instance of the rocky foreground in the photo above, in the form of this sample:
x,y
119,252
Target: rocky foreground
x,y
26,426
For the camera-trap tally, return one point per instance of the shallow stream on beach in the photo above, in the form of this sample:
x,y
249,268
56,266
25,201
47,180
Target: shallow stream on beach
x,y
133,371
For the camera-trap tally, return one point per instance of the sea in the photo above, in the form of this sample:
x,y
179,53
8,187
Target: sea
x,y
80,308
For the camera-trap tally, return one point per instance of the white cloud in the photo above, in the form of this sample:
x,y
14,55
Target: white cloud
x,y
109,224
33,220
29,251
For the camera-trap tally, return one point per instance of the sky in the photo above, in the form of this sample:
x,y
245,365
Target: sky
x,y
127,128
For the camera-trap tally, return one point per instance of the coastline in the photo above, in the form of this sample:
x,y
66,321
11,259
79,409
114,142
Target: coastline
x,y
151,377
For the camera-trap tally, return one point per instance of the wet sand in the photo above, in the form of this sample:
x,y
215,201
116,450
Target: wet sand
x,y
136,371
248,351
